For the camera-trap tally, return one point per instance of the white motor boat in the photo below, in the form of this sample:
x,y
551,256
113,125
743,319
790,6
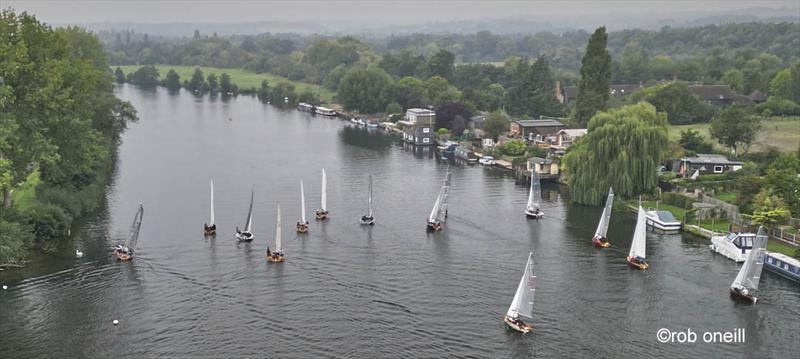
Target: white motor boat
x,y
735,246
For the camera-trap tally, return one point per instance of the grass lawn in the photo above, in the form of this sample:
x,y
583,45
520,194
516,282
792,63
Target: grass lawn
x,y
25,194
729,197
780,247
780,132
242,78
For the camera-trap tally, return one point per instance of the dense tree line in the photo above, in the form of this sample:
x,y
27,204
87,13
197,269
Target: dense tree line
x,y
59,119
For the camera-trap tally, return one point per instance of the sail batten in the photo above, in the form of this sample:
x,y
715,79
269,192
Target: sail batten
x,y
324,199
522,304
133,234
639,236
605,217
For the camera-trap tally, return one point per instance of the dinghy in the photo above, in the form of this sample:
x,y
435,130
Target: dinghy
x,y
745,285
636,257
210,228
247,234
439,212
532,210
302,224
599,240
522,305
322,212
369,219
124,252
276,255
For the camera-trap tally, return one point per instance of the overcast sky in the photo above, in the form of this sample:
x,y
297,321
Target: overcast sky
x,y
376,11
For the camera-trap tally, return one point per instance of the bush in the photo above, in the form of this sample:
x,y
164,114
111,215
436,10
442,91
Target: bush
x,y
48,221
677,200
394,108
13,240
514,147
778,106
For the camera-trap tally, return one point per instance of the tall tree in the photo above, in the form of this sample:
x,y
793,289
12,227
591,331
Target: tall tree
x,y
119,76
441,64
541,90
197,83
681,105
365,90
593,87
496,123
173,80
225,84
736,128
212,82
622,149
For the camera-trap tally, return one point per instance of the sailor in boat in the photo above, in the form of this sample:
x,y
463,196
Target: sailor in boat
x,y
365,219
209,230
600,242
123,252
302,227
638,261
434,226
321,214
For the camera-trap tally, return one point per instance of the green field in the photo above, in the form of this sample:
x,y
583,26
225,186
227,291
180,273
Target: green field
x,y
780,132
242,78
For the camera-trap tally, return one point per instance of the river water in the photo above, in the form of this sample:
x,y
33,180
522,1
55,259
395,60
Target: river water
x,y
352,291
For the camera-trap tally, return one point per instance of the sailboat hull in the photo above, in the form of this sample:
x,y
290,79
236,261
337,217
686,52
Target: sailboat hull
x,y
534,214
749,298
275,259
320,214
637,265
434,227
244,236
600,242
368,221
517,325
209,231
122,255
302,228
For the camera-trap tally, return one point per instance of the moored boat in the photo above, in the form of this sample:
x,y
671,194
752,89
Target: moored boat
x,y
533,208
783,265
324,111
247,235
277,255
745,286
305,107
600,239
522,304
636,256
302,224
735,246
210,228
124,252
369,219
322,211
663,221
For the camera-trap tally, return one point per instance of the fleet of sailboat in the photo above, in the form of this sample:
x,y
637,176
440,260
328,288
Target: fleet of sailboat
x,y
745,286
210,228
124,252
600,239
276,255
247,235
636,256
533,209
369,219
322,212
522,304
439,212
302,224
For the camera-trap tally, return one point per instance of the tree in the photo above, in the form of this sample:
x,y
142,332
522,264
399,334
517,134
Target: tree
x,y
769,209
453,115
212,82
759,71
496,123
394,108
436,88
782,181
693,141
634,63
173,80
622,149
263,91
403,63
441,64
736,128
409,92
593,87
225,85
735,79
681,105
197,83
365,90
515,147
119,76
145,76
795,72
283,94
781,85
747,187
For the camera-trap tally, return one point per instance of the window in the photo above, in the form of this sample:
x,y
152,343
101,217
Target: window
x,y
786,266
426,130
426,140
718,169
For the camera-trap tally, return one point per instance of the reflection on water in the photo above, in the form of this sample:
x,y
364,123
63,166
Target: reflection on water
x,y
346,290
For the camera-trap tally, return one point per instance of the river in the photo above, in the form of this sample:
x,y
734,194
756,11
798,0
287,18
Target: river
x,y
346,290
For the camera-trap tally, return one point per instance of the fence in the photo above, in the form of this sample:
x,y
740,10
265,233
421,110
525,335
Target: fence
x,y
781,235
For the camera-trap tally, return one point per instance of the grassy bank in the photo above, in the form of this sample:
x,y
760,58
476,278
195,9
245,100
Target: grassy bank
x,y
242,78
777,246
24,195
780,132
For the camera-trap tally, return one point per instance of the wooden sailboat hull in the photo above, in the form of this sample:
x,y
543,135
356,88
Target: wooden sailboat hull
x,y
302,228
208,231
749,298
600,242
320,214
518,325
636,265
275,259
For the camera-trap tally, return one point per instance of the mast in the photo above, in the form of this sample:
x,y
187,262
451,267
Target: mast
x,y
522,304
370,196
211,219
250,212
324,204
302,204
750,273
445,193
605,218
278,231
639,236
133,234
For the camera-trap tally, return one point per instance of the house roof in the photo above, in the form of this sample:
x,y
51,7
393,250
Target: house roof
x,y
757,96
538,123
574,132
420,111
710,159
541,161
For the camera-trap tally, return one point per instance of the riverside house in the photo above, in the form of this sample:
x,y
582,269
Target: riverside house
x,y
565,138
706,164
546,168
418,126
535,130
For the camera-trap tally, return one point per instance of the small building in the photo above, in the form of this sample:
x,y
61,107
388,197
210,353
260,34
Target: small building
x,y
565,137
418,126
544,167
720,96
707,164
535,129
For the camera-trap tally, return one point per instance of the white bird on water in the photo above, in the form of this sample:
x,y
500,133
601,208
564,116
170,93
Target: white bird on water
x,y
78,254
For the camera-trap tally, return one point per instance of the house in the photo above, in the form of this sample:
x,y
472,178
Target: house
x,y
418,126
535,129
706,164
565,137
546,168
719,95
757,97
568,94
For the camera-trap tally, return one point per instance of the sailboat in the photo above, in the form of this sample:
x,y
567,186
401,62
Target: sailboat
x,y
600,240
746,283
247,235
522,304
322,212
369,219
210,228
439,212
532,210
276,255
302,225
636,257
124,252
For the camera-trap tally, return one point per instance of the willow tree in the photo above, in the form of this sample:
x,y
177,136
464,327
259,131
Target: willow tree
x,y
623,148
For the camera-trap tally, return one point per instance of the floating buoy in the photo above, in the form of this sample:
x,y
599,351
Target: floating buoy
x,y
115,322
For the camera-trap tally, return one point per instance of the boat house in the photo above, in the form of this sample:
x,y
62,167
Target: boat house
x,y
565,138
418,126
707,164
533,130
544,167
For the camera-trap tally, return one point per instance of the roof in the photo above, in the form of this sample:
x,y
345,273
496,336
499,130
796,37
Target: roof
x,y
757,96
420,111
574,132
710,159
541,161
712,92
538,123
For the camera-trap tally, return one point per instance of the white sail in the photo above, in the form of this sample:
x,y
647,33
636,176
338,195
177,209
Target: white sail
x,y
133,234
750,273
435,211
605,218
522,305
211,219
639,236
302,204
535,193
324,203
250,213
370,196
445,192
278,231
